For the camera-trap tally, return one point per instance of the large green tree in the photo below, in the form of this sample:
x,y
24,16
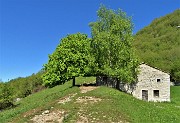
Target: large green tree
x,y
71,58
112,45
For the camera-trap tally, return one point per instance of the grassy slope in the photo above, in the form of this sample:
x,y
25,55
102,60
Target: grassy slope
x,y
115,106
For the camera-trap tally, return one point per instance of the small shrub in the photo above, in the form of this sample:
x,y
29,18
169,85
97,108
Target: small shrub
x,y
6,98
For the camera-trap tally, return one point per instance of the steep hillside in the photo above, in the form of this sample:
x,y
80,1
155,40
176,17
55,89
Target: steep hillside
x,y
88,104
158,44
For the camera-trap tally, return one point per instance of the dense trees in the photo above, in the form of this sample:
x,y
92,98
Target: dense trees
x,y
71,58
175,72
24,86
108,53
29,85
19,88
159,44
112,45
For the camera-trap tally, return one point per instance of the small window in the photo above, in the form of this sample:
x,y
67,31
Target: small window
x,y
158,80
156,93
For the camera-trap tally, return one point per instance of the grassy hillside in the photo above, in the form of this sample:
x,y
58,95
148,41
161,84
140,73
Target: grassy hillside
x,y
102,104
158,44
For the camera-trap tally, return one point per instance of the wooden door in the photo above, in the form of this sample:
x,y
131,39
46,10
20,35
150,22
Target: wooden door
x,y
145,95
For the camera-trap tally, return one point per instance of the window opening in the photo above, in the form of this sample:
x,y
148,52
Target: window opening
x,y
156,93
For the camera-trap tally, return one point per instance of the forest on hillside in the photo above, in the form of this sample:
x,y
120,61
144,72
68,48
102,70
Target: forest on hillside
x,y
158,44
19,88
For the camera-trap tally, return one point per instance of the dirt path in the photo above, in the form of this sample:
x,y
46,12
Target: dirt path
x,y
82,116
50,117
59,115
85,89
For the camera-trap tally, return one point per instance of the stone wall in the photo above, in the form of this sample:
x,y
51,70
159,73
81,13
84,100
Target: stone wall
x,y
152,79
107,81
149,79
112,82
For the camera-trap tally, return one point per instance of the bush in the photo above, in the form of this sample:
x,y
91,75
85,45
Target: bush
x,y
6,98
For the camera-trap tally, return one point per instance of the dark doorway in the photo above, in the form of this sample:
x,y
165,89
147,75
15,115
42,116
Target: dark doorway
x,y
145,95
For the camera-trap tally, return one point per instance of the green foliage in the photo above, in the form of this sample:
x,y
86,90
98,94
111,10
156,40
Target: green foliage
x,y
175,71
1,85
71,58
22,87
6,98
159,44
112,45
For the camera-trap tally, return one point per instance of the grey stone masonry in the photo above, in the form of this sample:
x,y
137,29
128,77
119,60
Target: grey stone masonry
x,y
152,84
152,80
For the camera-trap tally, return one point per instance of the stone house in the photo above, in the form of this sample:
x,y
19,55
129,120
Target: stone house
x,y
152,84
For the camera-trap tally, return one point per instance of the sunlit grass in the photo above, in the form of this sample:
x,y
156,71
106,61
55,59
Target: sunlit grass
x,y
115,106
41,99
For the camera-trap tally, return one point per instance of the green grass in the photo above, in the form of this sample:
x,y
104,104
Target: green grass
x,y
138,111
115,106
41,100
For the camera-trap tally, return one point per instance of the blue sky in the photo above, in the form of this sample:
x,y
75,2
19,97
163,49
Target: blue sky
x,y
31,29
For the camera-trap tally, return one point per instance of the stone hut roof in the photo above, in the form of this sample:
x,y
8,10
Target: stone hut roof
x,y
154,67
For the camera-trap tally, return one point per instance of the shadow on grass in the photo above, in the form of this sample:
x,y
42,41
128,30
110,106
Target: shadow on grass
x,y
9,106
84,84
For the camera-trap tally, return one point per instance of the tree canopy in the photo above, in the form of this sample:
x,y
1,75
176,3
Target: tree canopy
x,y
112,44
70,59
108,53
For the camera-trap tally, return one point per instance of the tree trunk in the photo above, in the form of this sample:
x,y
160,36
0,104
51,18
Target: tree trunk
x,y
117,83
74,81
